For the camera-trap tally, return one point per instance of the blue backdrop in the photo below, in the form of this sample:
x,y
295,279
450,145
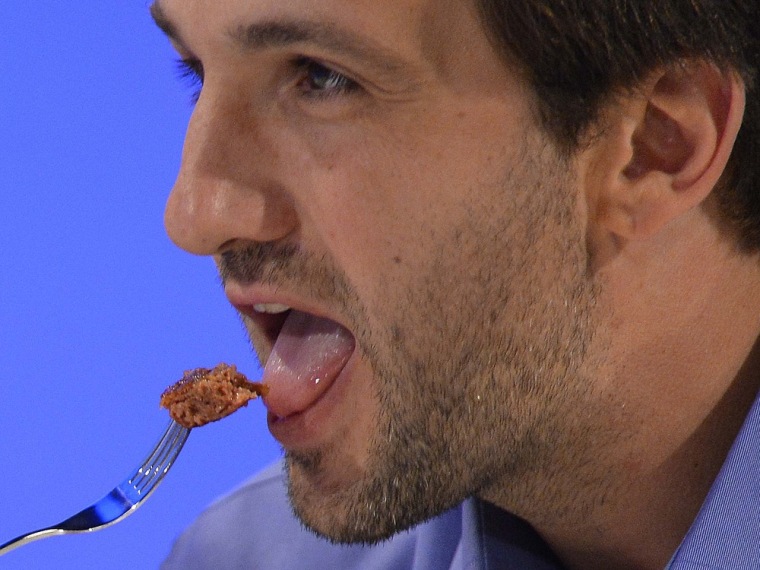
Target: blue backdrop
x,y
98,310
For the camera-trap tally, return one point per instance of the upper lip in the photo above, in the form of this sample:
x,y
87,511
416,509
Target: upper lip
x,y
246,297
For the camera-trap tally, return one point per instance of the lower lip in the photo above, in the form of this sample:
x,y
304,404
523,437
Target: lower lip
x,y
309,427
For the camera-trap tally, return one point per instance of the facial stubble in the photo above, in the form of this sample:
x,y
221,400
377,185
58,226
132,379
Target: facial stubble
x,y
477,380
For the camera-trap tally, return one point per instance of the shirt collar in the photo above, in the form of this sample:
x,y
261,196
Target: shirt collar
x,y
726,532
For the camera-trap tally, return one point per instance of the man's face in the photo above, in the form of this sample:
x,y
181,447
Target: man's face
x,y
375,167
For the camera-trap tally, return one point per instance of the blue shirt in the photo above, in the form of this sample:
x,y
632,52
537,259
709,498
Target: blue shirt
x,y
254,528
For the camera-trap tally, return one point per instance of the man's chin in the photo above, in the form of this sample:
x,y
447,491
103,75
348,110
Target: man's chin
x,y
334,506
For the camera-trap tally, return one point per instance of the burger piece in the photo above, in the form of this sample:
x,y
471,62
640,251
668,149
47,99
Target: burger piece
x,y
206,395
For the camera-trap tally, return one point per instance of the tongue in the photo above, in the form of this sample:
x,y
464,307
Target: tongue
x,y
308,355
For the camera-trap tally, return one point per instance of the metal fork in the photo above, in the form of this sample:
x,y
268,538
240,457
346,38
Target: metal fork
x,y
124,499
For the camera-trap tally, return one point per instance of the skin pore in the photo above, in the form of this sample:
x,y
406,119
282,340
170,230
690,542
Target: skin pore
x,y
522,328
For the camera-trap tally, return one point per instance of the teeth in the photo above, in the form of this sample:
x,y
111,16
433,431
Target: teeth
x,y
271,308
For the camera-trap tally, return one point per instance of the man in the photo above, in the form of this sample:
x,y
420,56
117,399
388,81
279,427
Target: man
x,y
500,262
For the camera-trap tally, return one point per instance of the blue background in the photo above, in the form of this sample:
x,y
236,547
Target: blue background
x,y
99,311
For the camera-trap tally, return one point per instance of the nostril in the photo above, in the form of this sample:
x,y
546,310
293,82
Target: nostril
x,y
230,244
213,206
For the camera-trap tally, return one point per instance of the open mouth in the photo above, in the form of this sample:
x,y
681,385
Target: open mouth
x,y
270,318
307,354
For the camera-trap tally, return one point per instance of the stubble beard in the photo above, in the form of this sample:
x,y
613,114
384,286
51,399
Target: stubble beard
x,y
479,380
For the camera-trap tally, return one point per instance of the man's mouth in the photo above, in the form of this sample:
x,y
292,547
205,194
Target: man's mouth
x,y
308,353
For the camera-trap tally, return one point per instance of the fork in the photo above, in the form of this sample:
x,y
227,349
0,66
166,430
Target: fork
x,y
124,499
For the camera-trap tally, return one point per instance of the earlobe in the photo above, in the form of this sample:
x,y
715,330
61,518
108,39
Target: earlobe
x,y
667,147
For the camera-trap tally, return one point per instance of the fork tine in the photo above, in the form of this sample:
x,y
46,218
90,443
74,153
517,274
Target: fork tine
x,y
155,467
169,444
149,484
169,435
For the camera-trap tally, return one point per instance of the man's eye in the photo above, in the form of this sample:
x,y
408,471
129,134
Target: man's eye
x,y
321,81
190,71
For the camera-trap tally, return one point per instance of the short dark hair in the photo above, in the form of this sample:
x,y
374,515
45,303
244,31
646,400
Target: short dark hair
x,y
576,54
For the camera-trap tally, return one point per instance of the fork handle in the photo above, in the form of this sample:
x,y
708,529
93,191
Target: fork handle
x,y
27,538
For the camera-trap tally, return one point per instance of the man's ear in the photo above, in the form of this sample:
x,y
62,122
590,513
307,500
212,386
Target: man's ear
x,y
663,149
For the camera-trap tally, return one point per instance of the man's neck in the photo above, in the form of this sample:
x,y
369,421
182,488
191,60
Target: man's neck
x,y
660,488
624,486
643,526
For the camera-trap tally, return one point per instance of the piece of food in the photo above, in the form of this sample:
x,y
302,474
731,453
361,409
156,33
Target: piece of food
x,y
206,395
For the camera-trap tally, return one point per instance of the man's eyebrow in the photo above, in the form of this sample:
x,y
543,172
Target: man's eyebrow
x,y
271,34
278,34
162,21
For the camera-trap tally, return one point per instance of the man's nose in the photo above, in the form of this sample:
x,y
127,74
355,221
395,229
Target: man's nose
x,y
227,189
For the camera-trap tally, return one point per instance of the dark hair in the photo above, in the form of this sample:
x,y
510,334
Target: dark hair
x,y
577,54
